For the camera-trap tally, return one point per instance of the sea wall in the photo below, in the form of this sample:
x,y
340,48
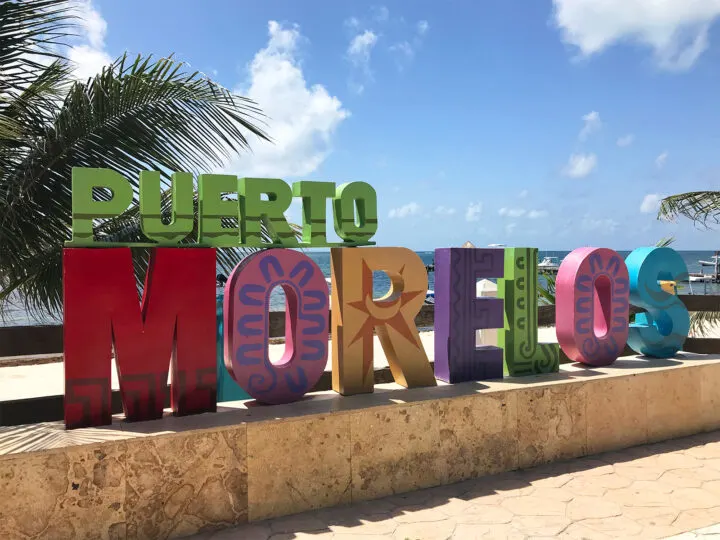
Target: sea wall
x,y
176,476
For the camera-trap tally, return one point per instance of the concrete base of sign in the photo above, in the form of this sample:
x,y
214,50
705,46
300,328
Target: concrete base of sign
x,y
177,476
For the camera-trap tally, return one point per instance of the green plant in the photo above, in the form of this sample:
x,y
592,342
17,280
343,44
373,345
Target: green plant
x,y
137,114
546,289
703,209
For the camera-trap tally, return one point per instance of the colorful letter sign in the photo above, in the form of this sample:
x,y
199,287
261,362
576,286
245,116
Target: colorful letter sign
x,y
268,212
232,212
459,313
351,227
355,314
173,330
591,295
247,297
661,331
114,196
523,354
151,205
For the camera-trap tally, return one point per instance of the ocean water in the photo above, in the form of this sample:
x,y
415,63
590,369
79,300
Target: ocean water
x,y
17,316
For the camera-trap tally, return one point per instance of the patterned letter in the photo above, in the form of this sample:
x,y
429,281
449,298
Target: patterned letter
x,y
84,206
247,296
523,354
257,212
355,314
213,209
175,328
349,197
181,208
662,330
314,210
592,309
459,313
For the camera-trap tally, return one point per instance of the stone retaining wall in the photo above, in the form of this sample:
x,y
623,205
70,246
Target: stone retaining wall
x,y
177,476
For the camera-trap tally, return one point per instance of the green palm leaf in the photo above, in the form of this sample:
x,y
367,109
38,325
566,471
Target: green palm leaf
x,y
30,33
699,206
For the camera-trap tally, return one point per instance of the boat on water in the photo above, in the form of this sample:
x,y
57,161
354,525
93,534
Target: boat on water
x,y
549,264
712,262
700,278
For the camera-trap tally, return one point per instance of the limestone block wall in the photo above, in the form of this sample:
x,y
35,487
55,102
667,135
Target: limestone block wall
x,y
178,476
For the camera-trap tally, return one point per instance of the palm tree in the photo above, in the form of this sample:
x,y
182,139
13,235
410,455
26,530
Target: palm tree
x,y
136,114
703,209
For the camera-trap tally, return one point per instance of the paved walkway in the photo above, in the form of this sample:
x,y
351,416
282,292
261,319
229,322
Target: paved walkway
x,y
654,491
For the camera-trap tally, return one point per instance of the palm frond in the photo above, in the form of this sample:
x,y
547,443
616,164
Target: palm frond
x,y
701,322
699,206
30,32
665,242
136,115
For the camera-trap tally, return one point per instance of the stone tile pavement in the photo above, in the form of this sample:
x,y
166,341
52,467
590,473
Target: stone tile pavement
x,y
654,491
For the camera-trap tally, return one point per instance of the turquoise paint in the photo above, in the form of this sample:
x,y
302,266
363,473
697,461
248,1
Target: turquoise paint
x,y
227,388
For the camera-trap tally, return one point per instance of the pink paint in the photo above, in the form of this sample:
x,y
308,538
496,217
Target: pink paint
x,y
247,299
592,306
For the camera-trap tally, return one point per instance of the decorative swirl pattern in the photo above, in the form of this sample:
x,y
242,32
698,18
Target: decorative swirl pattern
x,y
523,354
592,306
246,324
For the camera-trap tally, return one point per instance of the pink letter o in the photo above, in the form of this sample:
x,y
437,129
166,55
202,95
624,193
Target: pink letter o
x,y
247,297
592,306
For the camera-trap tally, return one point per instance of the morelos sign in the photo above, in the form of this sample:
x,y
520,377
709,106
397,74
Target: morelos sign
x,y
173,328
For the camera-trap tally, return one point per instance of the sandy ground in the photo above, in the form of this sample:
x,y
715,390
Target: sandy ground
x,y
22,382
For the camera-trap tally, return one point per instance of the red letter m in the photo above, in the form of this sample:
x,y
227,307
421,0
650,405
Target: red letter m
x,y
174,328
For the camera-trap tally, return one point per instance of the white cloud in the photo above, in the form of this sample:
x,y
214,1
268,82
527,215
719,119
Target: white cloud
x,y
523,193
520,212
512,212
88,55
358,52
381,14
650,203
603,225
510,228
580,165
301,119
473,212
423,27
409,209
352,22
660,160
444,211
675,30
592,124
360,48
626,140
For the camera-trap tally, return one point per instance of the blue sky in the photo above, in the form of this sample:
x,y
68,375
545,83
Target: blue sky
x,y
548,123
